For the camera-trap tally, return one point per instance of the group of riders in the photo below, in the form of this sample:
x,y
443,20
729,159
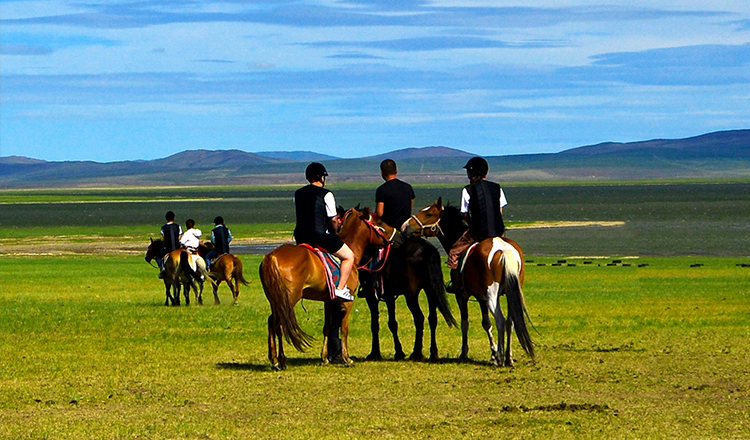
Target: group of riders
x,y
318,219
174,238
482,203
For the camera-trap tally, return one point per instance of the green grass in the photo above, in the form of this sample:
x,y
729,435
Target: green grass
x,y
658,351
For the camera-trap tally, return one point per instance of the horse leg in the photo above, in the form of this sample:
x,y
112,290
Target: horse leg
x,y
493,303
433,320
508,334
235,288
199,298
463,307
329,313
176,289
216,292
273,331
169,298
346,310
390,303
372,304
487,325
412,301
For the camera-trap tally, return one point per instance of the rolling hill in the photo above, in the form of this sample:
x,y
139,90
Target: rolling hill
x,y
724,154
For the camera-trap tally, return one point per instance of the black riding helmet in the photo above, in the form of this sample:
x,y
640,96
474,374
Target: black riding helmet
x,y
315,171
477,166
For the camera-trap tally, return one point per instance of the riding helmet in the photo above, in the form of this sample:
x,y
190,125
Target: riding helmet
x,y
477,166
219,220
315,171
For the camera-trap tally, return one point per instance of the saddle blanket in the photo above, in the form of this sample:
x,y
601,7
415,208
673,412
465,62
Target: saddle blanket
x,y
332,266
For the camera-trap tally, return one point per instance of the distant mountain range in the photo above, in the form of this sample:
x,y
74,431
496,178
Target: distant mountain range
x,y
724,154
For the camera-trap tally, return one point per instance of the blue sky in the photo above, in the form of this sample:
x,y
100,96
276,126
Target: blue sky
x,y
127,80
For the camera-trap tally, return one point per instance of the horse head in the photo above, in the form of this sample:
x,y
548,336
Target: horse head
x,y
425,222
365,222
153,249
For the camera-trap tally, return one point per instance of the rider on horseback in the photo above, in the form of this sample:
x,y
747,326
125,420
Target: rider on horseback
x,y
190,239
394,199
221,236
317,223
482,205
170,234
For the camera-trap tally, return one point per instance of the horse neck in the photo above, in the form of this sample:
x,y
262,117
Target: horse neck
x,y
451,231
358,238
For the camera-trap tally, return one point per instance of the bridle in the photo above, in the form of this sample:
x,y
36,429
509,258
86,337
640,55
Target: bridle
x,y
432,227
380,233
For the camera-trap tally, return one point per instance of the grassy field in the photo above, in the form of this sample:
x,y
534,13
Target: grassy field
x,y
654,346
658,351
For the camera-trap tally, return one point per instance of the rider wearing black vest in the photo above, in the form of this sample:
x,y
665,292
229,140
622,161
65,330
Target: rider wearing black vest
x,y
170,234
313,226
482,204
317,223
221,236
485,211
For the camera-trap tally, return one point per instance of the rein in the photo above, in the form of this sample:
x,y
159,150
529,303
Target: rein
x,y
380,232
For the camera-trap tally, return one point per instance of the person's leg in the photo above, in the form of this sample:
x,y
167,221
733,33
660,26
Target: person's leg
x,y
347,264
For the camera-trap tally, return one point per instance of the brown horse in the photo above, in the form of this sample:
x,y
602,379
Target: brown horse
x,y
227,268
290,273
182,271
492,268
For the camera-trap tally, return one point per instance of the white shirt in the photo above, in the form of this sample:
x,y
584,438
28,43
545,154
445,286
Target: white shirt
x,y
330,205
190,239
465,200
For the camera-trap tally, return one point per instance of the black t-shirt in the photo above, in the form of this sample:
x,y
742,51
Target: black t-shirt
x,y
396,197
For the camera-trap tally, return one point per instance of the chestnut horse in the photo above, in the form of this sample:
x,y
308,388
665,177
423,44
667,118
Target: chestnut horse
x,y
291,273
227,268
181,272
492,268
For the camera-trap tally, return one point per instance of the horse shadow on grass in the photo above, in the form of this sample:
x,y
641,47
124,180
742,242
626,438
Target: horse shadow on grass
x,y
315,362
249,366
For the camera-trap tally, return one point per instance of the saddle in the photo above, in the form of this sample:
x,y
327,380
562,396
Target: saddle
x,y
332,266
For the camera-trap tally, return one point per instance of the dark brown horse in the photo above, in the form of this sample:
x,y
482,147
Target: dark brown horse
x,y
182,271
290,273
227,268
492,268
412,267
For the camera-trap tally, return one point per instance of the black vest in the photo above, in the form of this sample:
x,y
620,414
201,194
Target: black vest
x,y
484,209
171,232
221,239
312,218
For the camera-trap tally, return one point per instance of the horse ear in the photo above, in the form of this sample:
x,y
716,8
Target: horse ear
x,y
365,213
152,239
439,203
357,208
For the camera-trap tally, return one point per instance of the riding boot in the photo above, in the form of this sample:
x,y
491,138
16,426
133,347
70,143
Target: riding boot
x,y
334,340
456,285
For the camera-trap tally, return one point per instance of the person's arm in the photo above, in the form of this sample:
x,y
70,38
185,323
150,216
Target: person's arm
x,y
380,207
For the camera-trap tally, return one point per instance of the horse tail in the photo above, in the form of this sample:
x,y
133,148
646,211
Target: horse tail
x,y
238,275
185,266
516,303
436,285
282,311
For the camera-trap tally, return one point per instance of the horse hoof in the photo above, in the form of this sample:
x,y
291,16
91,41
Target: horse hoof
x,y
276,367
434,358
463,358
374,357
416,357
400,356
